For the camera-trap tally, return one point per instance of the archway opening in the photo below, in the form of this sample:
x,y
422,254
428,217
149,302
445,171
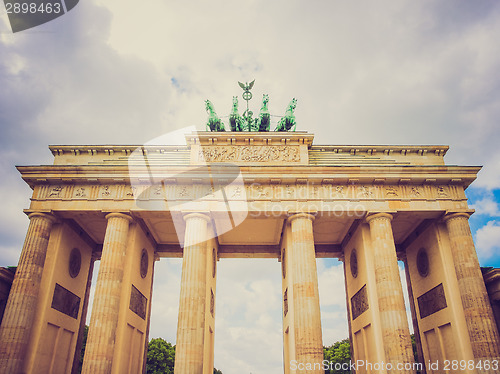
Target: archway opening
x,y
332,300
248,323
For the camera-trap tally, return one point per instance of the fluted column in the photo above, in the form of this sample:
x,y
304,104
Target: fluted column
x,y
479,317
306,311
191,320
21,306
393,319
104,319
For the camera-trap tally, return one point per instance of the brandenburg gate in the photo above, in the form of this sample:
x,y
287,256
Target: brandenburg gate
x,y
247,194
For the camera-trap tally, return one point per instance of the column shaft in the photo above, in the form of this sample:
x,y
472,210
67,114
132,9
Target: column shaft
x,y
393,319
306,312
102,330
479,317
21,305
191,320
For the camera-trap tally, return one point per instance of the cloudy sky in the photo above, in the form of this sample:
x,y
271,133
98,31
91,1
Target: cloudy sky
x,y
363,72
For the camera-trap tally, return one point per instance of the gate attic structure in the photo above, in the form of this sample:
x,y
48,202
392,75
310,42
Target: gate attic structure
x,y
269,195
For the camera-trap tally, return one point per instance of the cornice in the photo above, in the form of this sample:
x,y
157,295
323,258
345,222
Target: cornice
x,y
250,138
384,174
438,150
109,149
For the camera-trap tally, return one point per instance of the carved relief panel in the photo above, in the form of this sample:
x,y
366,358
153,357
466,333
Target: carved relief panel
x,y
271,190
250,154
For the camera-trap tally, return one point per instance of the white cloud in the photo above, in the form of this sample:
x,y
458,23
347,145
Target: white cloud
x,y
331,284
486,205
488,240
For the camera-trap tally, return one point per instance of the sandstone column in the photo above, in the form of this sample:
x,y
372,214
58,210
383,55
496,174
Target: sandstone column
x,y
103,322
394,324
479,317
307,316
21,306
191,320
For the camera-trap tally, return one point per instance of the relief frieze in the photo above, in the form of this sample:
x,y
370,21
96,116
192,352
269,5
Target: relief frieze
x,y
359,303
339,192
105,192
250,153
415,192
391,191
80,192
130,191
442,192
138,302
236,192
55,192
254,191
365,192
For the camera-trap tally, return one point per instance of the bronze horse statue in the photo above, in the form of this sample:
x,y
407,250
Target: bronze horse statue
x,y
288,121
214,123
264,121
236,122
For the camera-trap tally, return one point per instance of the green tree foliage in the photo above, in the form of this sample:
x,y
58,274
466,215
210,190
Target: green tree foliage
x,y
84,343
161,357
414,346
160,360
338,353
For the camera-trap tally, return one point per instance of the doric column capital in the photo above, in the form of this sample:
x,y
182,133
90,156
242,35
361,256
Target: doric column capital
x,y
203,215
306,215
371,216
451,215
48,216
119,215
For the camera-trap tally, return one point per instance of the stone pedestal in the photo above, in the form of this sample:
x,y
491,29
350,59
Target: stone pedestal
x,y
103,323
306,311
21,306
392,311
192,305
479,317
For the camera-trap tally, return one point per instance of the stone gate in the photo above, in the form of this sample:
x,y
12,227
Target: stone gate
x,y
270,195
